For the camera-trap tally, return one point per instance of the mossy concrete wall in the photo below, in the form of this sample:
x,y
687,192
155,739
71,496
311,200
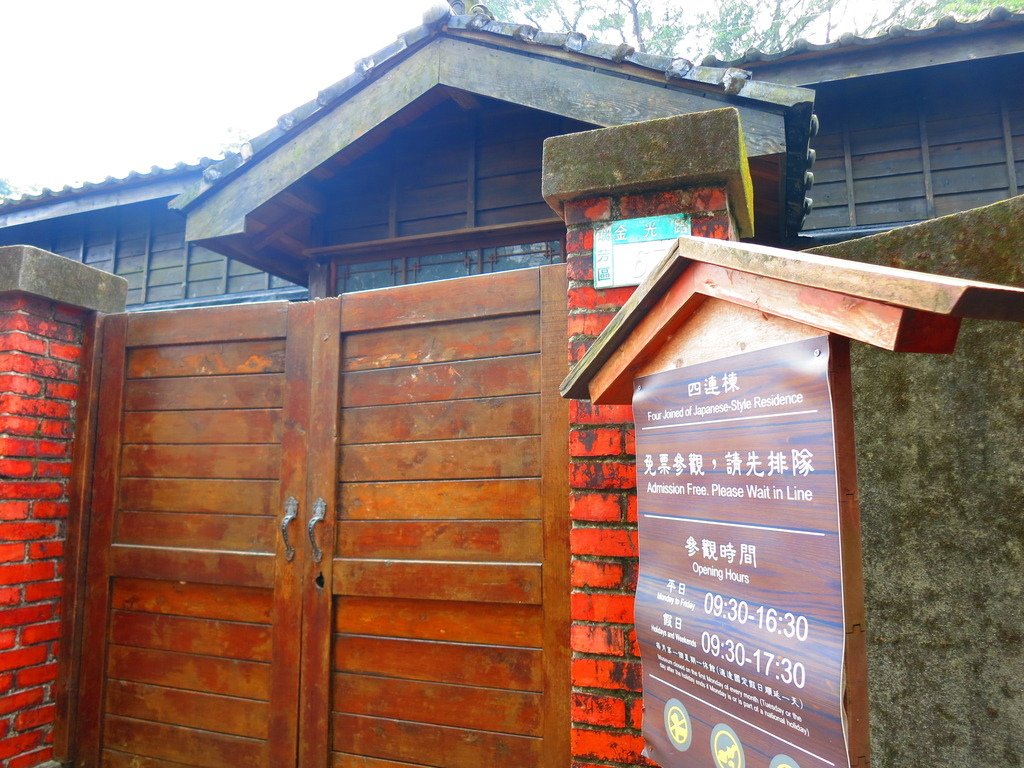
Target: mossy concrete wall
x,y
940,448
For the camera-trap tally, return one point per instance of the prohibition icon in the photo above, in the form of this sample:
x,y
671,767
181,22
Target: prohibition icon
x,y
726,748
677,725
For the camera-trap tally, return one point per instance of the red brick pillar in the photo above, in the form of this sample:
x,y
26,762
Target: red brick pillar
x,y
47,305
606,675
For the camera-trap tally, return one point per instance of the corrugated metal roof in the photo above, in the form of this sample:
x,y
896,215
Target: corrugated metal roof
x,y
135,178
896,34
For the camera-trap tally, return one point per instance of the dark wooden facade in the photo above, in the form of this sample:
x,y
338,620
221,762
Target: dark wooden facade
x,y
144,242
913,145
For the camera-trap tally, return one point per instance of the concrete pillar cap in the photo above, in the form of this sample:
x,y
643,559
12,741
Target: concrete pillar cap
x,y
30,270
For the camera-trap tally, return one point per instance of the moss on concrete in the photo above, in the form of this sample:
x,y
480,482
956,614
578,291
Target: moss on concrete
x,y
695,149
26,269
940,443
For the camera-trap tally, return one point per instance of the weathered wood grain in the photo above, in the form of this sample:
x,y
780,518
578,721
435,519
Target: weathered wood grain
x,y
208,392
481,582
192,565
207,359
511,499
229,677
227,497
489,541
192,427
442,459
208,637
203,749
240,462
158,529
177,599
489,417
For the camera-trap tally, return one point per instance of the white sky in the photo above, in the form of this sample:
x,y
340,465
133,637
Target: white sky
x,y
92,88
97,88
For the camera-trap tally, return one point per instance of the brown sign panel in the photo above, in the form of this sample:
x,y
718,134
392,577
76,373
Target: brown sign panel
x,y
739,605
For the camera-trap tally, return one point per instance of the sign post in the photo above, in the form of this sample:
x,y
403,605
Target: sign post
x,y
750,604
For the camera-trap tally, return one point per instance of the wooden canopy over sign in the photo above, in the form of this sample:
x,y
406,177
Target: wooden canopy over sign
x,y
896,309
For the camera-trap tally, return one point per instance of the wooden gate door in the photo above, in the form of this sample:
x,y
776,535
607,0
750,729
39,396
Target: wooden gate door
x,y
418,437
192,626
443,620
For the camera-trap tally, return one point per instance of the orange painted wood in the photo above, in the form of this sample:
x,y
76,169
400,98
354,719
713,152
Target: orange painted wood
x,y
203,749
485,709
417,743
443,381
195,709
442,500
504,293
177,599
173,529
464,340
239,462
555,497
193,565
252,426
340,760
317,579
103,505
114,759
228,497
485,583
488,417
489,541
192,326
264,390
207,359
457,622
443,459
206,637
489,666
229,677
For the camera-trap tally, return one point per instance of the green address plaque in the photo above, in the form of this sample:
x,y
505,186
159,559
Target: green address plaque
x,y
625,251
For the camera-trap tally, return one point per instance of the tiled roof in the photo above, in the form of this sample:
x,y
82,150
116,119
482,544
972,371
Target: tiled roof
x,y
135,178
896,34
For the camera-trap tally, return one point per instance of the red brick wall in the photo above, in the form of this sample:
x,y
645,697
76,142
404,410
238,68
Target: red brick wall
x,y
606,678
40,351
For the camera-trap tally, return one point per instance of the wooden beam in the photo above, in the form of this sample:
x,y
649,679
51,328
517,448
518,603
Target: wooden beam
x,y
270,260
303,198
466,101
595,97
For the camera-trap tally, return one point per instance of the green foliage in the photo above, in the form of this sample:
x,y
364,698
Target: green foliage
x,y
728,28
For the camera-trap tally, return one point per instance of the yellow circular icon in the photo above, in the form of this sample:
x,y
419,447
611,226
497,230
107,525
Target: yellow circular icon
x,y
677,725
726,748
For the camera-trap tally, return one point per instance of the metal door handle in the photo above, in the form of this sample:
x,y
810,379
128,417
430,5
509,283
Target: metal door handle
x,y
319,512
291,511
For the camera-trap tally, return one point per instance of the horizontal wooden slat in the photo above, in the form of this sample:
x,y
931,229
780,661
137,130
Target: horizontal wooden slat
x,y
480,582
211,712
443,381
490,417
196,326
517,669
262,390
443,459
444,499
433,745
230,677
439,343
508,293
115,759
486,709
341,760
241,462
223,358
257,426
199,600
227,497
208,637
174,529
190,565
492,540
457,622
202,749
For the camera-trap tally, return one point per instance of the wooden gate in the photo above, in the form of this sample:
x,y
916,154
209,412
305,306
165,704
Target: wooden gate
x,y
411,445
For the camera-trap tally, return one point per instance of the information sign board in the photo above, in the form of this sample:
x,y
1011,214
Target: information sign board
x,y
739,606
625,251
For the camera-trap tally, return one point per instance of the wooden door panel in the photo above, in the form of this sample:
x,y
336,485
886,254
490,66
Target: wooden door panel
x,y
443,574
193,608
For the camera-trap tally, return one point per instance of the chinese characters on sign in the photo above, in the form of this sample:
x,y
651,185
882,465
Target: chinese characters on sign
x,y
625,251
739,606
